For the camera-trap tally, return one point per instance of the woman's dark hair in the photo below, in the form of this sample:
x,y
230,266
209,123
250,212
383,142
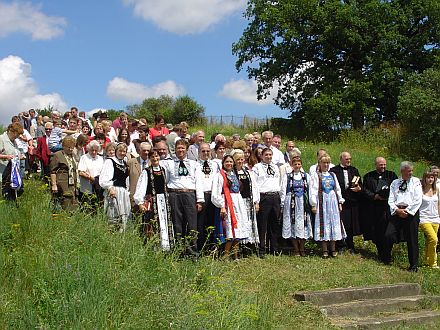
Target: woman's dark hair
x,y
153,152
219,144
127,139
158,119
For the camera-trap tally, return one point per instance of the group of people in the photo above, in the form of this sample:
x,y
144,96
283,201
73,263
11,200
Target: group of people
x,y
234,192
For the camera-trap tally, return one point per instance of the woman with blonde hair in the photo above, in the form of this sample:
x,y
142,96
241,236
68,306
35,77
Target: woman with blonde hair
x,y
429,217
326,201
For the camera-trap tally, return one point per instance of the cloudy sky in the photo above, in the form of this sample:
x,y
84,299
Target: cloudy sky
x,y
113,53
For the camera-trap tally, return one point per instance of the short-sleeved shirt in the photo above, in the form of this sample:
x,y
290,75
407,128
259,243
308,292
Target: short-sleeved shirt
x,y
55,137
7,147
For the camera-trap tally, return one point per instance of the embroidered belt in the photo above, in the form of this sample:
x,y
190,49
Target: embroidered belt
x,y
181,190
271,193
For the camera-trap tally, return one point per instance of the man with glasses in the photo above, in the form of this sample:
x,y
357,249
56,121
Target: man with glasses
x,y
404,201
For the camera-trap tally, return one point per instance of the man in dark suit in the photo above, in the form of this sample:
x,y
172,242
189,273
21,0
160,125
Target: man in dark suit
x,y
375,210
351,185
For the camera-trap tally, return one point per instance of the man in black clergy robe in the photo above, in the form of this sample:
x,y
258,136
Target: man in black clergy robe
x,y
375,208
350,182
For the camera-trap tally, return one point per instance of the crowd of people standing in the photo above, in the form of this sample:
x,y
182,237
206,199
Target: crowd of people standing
x,y
240,193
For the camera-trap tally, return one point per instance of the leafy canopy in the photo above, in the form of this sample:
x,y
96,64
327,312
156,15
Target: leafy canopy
x,y
337,62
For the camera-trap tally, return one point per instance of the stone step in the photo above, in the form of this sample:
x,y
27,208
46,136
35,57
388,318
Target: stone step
x,y
425,319
362,308
342,295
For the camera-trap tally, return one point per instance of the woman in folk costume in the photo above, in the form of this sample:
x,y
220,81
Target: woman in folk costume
x,y
326,201
114,179
152,197
64,175
226,196
296,208
249,192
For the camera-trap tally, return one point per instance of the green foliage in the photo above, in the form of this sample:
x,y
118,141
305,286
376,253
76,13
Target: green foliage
x,y
113,114
174,110
338,63
419,111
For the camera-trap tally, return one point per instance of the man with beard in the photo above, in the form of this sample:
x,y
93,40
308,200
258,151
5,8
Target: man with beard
x,y
375,209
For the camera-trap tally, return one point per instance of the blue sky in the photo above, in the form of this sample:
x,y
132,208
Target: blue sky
x,y
113,53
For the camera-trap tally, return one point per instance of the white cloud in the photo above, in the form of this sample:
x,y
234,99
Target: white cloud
x,y
121,89
27,18
185,16
245,91
19,92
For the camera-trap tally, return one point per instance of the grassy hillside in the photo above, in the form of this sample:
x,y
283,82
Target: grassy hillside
x,y
73,272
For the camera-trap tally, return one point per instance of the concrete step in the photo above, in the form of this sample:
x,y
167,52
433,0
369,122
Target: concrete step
x,y
362,308
342,295
424,319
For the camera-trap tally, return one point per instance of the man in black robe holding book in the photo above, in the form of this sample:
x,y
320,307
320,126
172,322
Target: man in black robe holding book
x,y
351,186
375,209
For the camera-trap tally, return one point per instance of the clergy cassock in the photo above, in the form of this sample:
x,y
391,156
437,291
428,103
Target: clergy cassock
x,y
325,195
375,213
151,191
350,208
114,175
205,218
226,193
251,196
268,218
296,206
185,188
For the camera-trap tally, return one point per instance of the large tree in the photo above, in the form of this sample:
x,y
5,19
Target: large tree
x,y
337,62
419,112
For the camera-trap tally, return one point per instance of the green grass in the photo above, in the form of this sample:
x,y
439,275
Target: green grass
x,y
71,271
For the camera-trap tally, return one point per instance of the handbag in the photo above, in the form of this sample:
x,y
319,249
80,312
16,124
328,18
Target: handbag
x,y
112,212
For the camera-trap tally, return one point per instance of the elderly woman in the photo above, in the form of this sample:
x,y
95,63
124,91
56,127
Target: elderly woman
x,y
64,176
89,169
326,201
8,150
114,180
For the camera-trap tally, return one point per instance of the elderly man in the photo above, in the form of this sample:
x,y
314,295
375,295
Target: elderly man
x,y
404,201
314,168
162,150
205,218
135,167
290,145
277,155
350,182
185,187
193,150
375,210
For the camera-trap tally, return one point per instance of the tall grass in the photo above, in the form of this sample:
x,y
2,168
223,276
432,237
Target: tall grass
x,y
71,271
